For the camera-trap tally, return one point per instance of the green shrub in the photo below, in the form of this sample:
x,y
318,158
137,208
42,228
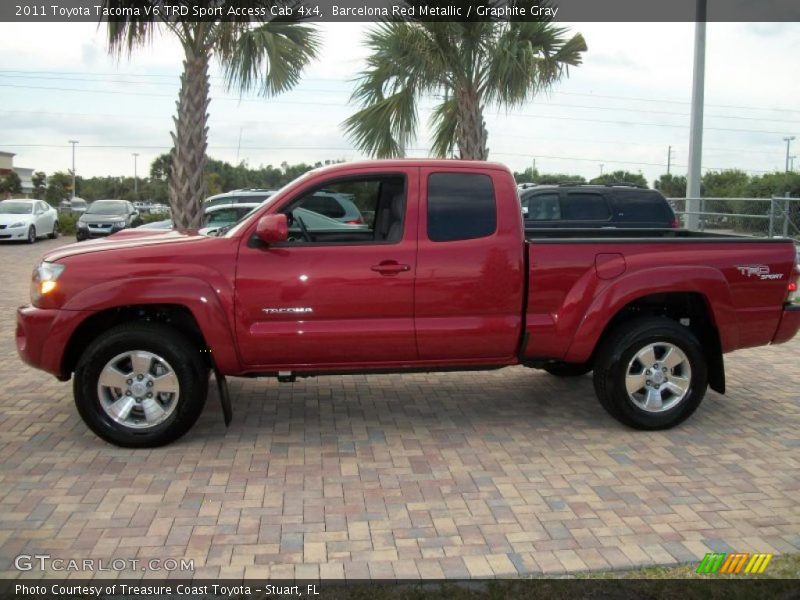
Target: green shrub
x,y
67,223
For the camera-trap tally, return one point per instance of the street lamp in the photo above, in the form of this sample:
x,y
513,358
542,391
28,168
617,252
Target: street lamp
x,y
73,142
135,176
788,141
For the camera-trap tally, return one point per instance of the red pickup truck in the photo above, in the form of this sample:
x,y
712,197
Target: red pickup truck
x,y
438,273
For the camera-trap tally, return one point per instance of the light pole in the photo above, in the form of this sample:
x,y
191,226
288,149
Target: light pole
x,y
788,141
696,124
73,142
135,176
601,168
669,159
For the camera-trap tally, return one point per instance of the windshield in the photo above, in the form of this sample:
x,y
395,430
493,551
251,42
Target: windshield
x,y
16,208
105,207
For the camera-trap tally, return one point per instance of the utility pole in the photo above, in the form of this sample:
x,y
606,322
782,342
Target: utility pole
x,y
73,142
696,126
788,141
135,175
669,159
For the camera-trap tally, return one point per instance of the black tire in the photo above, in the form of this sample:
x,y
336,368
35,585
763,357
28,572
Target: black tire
x,y
562,369
617,352
54,234
31,234
184,359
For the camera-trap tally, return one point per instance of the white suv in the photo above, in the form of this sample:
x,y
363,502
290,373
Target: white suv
x,y
239,197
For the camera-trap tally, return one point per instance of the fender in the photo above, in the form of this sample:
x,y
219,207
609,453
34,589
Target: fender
x,y
708,282
198,296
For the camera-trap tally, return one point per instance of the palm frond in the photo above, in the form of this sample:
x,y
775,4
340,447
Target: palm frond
x,y
270,57
386,126
444,122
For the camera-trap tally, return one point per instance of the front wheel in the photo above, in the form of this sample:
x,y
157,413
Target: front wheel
x,y
140,385
54,234
31,234
651,373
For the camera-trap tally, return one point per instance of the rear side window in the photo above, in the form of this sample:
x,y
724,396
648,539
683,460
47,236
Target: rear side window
x,y
583,206
461,206
542,207
637,208
324,205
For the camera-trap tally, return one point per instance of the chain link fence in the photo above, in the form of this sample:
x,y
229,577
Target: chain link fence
x,y
763,217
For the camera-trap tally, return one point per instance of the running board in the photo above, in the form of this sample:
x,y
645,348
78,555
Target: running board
x,y
224,397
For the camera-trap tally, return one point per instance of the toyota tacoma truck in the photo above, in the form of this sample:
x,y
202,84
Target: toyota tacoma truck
x,y
442,276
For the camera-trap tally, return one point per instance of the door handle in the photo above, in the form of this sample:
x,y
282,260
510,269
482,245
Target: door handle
x,y
390,267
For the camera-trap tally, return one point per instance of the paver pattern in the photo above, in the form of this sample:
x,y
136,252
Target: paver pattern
x,y
505,473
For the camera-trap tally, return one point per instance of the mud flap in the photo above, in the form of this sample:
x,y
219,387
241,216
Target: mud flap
x,y
224,397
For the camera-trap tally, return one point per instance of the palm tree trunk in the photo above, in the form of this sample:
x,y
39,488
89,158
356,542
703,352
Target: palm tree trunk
x,y
471,134
187,183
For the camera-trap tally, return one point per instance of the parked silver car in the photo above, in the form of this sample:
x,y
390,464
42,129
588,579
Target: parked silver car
x,y
29,220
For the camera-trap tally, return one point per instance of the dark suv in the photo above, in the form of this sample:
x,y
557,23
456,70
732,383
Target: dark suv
x,y
586,206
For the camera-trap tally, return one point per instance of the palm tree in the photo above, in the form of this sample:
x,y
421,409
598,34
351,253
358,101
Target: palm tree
x,y
268,56
469,65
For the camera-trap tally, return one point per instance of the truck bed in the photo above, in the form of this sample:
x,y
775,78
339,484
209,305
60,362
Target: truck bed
x,y
578,277
638,235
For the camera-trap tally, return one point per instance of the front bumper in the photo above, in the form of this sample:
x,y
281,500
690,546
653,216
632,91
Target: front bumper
x,y
95,232
42,336
789,324
8,234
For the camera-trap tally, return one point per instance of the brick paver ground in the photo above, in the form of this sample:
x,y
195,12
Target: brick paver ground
x,y
464,474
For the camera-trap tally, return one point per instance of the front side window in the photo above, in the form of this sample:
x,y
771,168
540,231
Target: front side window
x,y
542,207
461,206
359,210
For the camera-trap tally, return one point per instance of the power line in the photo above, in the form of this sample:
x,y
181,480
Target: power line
x,y
349,149
29,73
247,122
307,103
302,90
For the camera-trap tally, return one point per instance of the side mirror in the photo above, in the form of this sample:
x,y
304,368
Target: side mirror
x,y
273,228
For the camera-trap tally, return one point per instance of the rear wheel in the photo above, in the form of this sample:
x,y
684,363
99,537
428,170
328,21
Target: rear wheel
x,y
140,385
562,369
54,234
31,234
651,373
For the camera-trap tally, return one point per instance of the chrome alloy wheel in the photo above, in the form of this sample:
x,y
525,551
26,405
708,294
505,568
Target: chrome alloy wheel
x,y
658,377
138,389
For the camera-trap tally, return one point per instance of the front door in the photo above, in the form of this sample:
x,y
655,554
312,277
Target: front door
x,y
340,292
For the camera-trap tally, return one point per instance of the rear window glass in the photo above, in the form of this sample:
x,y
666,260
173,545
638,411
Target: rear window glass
x,y
324,205
641,208
542,207
461,206
583,206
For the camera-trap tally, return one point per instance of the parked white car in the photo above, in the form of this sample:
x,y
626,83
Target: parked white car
x,y
29,220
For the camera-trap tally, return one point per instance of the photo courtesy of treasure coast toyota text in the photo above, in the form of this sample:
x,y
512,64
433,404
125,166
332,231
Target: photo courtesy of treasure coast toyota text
x,y
399,299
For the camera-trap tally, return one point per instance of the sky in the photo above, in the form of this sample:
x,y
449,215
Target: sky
x,y
621,109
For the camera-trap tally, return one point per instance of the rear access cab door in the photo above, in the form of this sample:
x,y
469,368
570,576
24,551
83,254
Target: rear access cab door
x,y
470,267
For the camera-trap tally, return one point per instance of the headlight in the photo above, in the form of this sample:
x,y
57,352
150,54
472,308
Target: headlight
x,y
44,280
82,225
17,224
118,225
